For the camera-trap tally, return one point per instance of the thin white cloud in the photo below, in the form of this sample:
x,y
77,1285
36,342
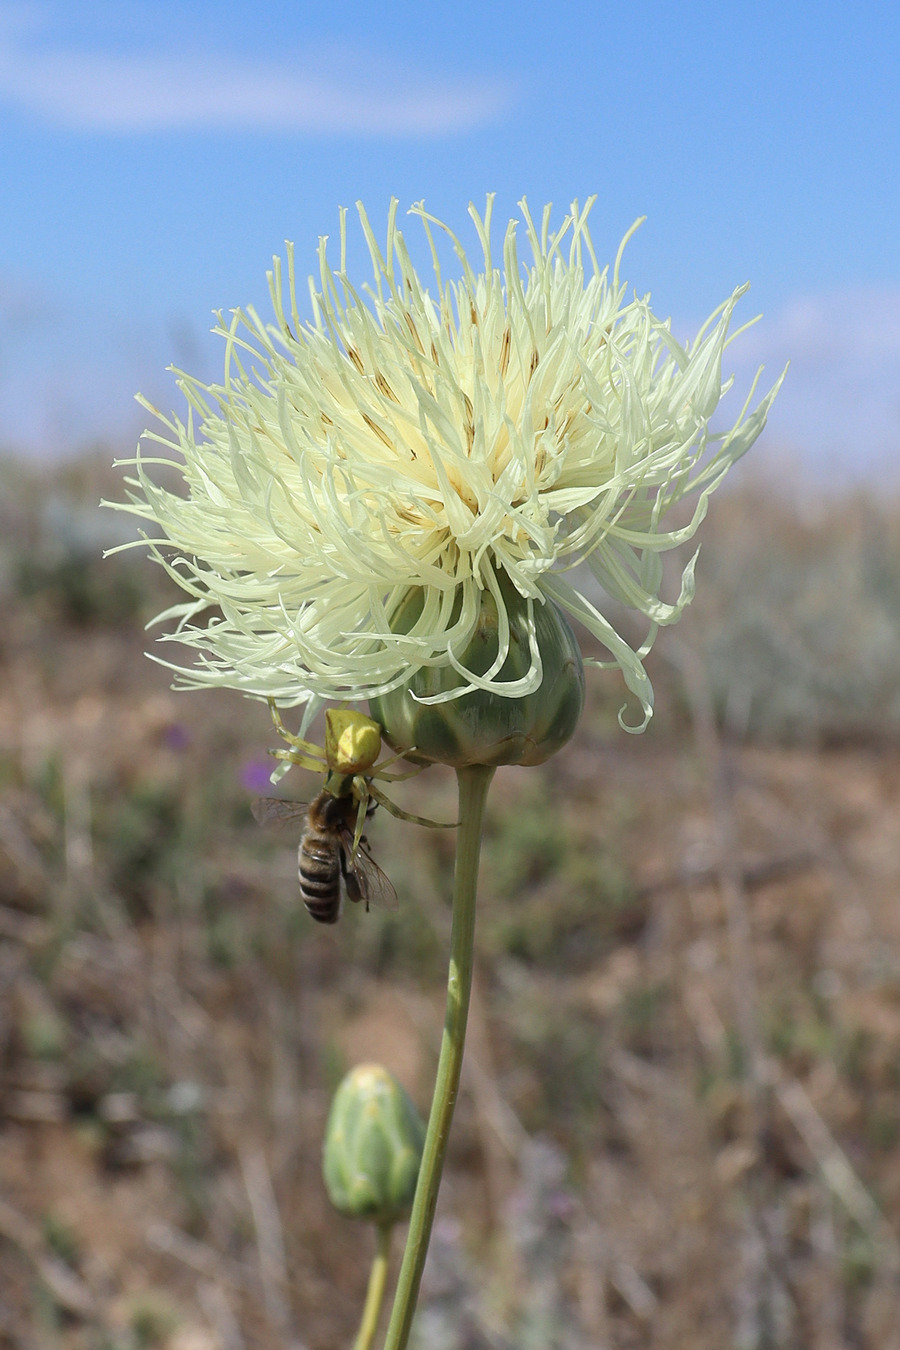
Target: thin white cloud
x,y
324,92
828,326
839,407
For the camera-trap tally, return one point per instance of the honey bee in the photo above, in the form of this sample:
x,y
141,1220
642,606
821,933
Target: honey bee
x,y
328,864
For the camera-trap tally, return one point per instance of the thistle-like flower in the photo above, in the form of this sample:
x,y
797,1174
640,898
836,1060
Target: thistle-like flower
x,y
474,441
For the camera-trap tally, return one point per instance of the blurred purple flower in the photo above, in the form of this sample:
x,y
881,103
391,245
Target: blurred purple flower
x,y
256,775
560,1206
176,736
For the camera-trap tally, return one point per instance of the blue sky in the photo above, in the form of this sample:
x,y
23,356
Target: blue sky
x,y
155,155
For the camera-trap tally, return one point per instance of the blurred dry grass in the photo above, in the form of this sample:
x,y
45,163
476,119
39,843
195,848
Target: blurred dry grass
x,y
680,1123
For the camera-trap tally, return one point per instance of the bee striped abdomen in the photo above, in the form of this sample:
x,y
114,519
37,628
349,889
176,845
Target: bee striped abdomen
x,y
319,869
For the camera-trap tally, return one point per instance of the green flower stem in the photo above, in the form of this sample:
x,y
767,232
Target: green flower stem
x,y
375,1292
474,782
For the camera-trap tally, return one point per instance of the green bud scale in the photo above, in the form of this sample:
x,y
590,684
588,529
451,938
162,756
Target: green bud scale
x,y
373,1146
481,726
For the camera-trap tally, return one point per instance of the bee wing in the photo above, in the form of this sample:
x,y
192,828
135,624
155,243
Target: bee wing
x,y
364,879
275,812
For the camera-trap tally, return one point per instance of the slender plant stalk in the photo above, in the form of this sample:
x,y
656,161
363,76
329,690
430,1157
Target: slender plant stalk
x,y
473,786
375,1292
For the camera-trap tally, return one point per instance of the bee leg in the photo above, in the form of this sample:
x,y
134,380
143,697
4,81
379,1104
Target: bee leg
x,y
351,882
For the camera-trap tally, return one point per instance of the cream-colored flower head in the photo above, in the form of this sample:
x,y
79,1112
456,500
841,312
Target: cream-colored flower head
x,y
522,420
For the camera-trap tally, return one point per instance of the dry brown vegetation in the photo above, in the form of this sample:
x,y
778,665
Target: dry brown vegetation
x,y
679,1124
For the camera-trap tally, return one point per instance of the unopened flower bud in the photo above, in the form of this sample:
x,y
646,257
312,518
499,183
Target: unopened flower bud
x,y
373,1146
483,727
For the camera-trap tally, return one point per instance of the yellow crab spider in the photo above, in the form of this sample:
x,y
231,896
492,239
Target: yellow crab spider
x,y
352,745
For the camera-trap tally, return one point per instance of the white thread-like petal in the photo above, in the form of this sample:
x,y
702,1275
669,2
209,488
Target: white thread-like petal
x,y
523,419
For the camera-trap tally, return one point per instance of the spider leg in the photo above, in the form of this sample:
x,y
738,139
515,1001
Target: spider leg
x,y
361,813
406,815
378,771
294,757
303,753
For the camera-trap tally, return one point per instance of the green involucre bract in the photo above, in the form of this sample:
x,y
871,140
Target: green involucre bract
x,y
519,421
373,1146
